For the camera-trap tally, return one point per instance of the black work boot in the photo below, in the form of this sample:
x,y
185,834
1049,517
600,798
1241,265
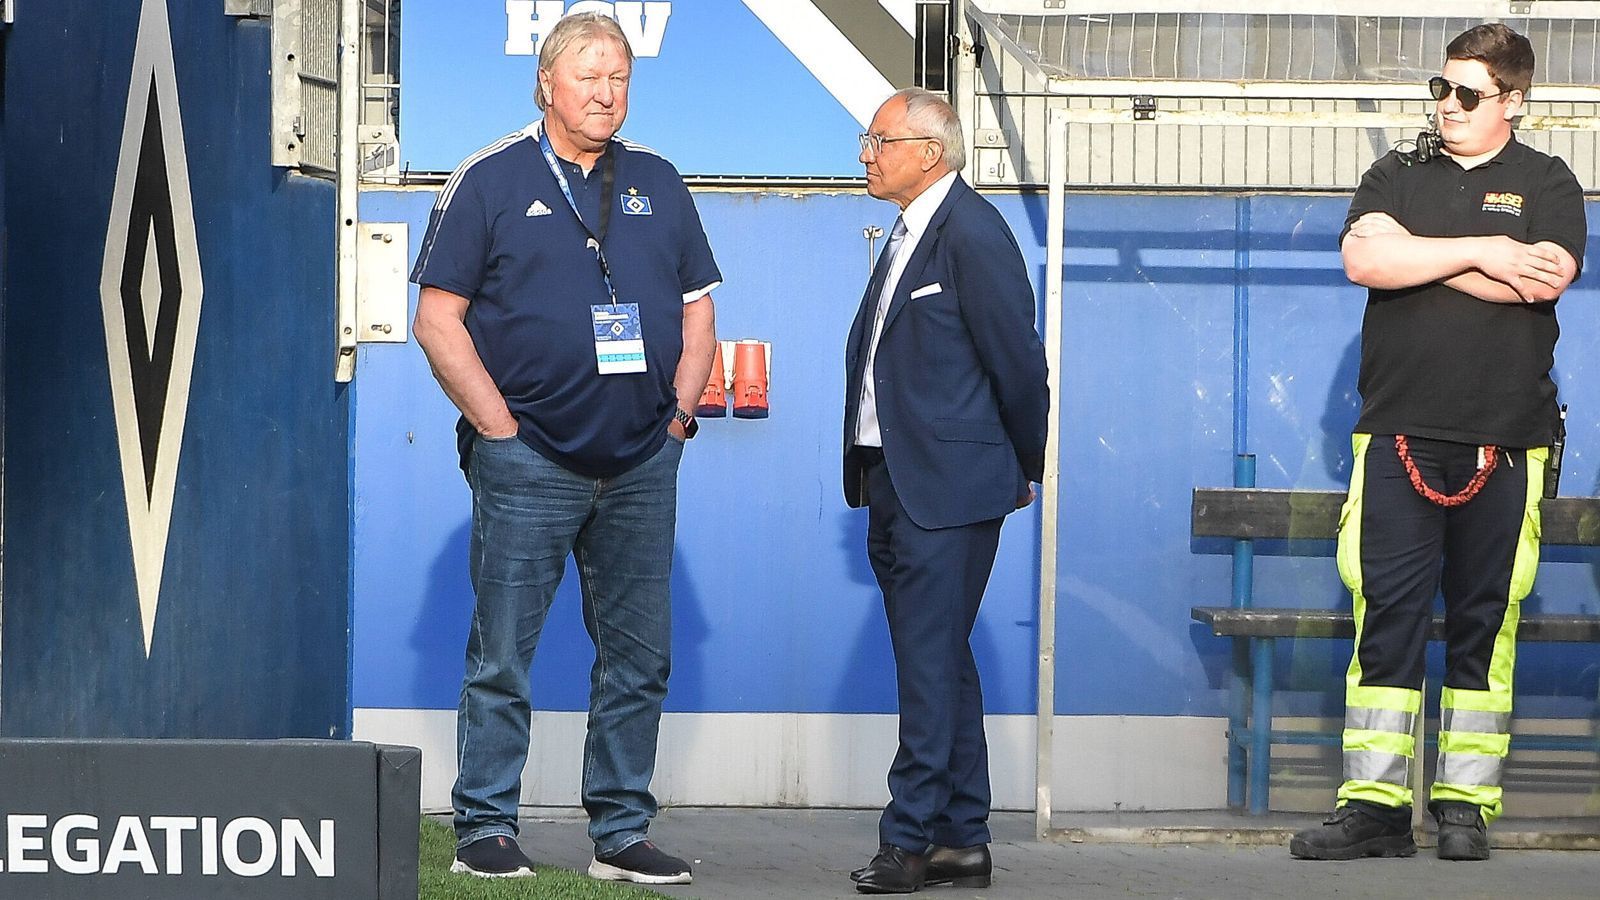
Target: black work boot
x,y
1462,832
1355,830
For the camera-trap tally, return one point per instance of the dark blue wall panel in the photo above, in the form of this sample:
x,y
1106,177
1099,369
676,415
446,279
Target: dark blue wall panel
x,y
251,636
776,610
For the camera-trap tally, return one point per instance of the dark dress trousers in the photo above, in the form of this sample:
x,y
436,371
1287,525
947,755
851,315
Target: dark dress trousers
x,y
962,407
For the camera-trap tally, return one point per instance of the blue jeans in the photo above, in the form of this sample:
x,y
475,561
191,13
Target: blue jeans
x,y
528,514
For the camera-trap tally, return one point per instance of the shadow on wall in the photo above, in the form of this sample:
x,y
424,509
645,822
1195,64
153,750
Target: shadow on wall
x,y
867,683
1187,257
1340,414
439,638
690,666
440,632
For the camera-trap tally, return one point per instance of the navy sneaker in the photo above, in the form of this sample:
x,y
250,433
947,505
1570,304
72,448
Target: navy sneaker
x,y
496,856
642,863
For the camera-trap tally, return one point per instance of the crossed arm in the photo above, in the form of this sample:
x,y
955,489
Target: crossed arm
x,y
1380,253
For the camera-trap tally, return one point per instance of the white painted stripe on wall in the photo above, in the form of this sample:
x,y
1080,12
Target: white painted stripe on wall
x,y
839,760
827,53
904,12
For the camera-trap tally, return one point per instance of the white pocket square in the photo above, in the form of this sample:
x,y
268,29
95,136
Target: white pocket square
x,y
927,290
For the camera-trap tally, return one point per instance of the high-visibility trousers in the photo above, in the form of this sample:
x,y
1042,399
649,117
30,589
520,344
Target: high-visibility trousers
x,y
1397,551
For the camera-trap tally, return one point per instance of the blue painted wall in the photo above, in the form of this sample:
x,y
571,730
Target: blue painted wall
x,y
717,64
251,635
776,609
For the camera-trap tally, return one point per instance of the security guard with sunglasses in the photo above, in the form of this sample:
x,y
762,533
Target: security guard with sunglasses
x,y
1465,245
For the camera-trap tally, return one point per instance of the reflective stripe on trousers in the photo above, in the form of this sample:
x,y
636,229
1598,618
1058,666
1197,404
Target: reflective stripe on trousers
x,y
1392,575
1378,744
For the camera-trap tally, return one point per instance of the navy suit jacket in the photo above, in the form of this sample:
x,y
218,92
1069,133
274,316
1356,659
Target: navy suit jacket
x,y
959,376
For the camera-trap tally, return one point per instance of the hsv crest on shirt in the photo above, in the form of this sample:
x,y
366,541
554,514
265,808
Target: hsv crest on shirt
x,y
635,203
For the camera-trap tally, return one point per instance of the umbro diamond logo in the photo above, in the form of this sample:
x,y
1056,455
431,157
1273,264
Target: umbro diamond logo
x,y
150,290
537,208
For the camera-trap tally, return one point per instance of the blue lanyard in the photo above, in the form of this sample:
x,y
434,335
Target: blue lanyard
x,y
606,181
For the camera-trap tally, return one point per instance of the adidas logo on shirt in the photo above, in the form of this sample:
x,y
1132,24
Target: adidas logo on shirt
x,y
537,208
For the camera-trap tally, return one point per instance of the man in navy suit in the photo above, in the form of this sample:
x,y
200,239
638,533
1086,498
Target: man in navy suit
x,y
944,429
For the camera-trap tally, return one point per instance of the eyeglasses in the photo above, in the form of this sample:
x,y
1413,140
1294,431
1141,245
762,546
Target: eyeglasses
x,y
872,144
1467,97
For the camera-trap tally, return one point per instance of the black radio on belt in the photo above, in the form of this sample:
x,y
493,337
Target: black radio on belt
x,y
1552,469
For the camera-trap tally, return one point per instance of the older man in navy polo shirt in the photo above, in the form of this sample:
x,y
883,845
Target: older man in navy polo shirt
x,y
566,311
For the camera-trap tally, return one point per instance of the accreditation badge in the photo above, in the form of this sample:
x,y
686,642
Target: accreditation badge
x,y
618,338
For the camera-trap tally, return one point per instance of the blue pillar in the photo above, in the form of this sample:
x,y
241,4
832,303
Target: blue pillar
x,y
1244,475
1260,723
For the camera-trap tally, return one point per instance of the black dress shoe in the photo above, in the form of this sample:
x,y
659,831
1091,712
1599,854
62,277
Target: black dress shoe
x,y
893,871
968,867
958,866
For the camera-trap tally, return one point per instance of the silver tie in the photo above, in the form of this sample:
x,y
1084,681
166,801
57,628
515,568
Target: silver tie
x,y
897,237
867,418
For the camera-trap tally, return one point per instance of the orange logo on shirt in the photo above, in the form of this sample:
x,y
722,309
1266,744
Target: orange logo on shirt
x,y
1503,202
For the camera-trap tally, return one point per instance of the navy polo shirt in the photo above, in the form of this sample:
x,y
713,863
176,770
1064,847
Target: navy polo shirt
x,y
503,236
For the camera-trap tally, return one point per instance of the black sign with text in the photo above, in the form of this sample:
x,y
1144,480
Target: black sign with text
x,y
208,819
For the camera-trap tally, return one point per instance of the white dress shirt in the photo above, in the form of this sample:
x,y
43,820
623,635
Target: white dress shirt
x,y
916,217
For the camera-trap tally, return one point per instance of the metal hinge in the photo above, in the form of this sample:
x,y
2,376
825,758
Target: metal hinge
x,y
1144,109
1521,7
991,137
7,11
381,282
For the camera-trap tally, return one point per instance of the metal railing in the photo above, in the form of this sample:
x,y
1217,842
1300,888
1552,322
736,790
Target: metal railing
x,y
1218,98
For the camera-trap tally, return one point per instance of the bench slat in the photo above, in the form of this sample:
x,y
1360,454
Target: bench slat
x,y
1226,621
1259,513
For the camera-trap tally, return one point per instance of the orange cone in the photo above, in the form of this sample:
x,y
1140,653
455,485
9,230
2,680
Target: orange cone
x,y
714,399
750,380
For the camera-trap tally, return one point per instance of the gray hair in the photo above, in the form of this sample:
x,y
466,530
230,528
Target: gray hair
x,y
576,32
930,114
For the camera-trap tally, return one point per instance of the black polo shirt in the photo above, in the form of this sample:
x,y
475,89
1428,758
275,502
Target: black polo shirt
x,y
1439,363
504,236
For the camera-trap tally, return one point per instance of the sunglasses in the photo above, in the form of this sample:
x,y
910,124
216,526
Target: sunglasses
x,y
1467,97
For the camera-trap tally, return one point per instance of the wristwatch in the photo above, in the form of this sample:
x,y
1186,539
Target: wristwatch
x,y
690,426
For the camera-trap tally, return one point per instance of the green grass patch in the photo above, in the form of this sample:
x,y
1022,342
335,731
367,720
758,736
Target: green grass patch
x,y
437,883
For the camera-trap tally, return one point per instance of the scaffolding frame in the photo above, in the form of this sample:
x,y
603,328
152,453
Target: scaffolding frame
x,y
1313,105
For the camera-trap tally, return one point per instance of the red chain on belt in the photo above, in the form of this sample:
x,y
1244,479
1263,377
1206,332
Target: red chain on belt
x,y
1491,456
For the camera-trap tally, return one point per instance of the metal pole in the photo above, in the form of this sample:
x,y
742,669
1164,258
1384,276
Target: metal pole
x,y
1239,700
963,83
1247,710
349,172
1050,500
1260,725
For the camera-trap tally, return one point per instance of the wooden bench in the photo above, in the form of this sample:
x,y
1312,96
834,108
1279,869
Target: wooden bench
x,y
1246,515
